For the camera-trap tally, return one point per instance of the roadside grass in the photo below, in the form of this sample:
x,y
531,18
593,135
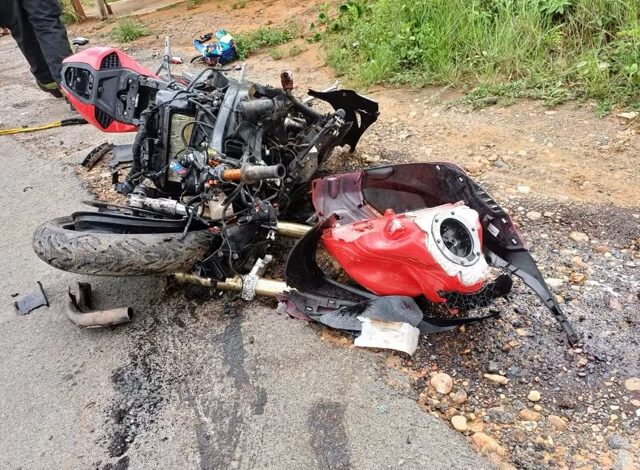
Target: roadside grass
x,y
296,50
171,6
276,54
191,4
247,43
552,50
129,29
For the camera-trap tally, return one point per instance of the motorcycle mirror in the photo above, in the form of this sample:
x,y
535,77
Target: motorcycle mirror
x,y
79,41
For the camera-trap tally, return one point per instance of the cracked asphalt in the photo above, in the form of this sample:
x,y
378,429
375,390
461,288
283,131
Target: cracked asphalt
x,y
195,381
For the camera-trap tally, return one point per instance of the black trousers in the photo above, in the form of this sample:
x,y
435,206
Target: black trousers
x,y
41,36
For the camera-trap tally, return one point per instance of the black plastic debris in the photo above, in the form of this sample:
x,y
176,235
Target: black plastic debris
x,y
390,308
96,154
121,154
316,297
32,301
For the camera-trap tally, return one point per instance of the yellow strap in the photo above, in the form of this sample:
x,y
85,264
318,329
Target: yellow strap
x,y
18,130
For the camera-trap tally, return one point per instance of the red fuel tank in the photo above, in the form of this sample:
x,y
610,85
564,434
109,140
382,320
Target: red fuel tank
x,y
428,251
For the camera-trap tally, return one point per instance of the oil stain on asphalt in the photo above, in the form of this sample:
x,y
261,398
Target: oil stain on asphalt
x,y
175,341
328,436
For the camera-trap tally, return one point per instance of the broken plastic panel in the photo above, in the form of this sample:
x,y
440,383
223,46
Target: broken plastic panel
x,y
32,301
313,295
360,111
367,194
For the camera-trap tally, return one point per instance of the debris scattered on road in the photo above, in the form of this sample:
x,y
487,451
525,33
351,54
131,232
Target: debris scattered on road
x,y
459,397
526,414
32,301
80,313
487,444
95,155
388,335
554,282
121,154
577,278
557,422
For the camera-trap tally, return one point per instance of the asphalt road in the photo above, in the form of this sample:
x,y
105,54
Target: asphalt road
x,y
195,381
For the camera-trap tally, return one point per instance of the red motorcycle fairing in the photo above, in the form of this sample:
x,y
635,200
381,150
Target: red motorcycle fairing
x,y
102,84
351,197
425,252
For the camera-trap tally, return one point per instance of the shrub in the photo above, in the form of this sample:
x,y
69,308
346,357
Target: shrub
x,y
559,48
68,13
129,29
261,38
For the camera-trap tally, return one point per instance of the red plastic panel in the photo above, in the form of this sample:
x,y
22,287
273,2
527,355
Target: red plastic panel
x,y
390,255
91,59
88,111
94,55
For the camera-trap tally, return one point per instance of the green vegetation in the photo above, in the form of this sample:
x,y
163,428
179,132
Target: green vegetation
x,y
68,14
296,50
169,7
548,49
264,37
276,54
239,4
191,4
129,29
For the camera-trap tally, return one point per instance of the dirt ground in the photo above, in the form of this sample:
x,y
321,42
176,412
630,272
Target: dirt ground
x,y
557,171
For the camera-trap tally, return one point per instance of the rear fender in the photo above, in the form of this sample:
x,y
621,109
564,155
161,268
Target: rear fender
x,y
103,84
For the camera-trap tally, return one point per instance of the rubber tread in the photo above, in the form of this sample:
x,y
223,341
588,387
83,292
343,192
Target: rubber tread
x,y
108,254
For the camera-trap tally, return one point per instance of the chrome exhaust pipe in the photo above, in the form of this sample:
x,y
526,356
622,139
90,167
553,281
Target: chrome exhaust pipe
x,y
292,229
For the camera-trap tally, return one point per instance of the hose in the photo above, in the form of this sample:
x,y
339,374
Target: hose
x,y
62,123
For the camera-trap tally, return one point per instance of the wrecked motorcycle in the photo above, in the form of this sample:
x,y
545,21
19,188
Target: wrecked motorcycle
x,y
219,164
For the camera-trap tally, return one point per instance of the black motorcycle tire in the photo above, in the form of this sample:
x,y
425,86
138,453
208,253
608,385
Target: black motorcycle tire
x,y
111,254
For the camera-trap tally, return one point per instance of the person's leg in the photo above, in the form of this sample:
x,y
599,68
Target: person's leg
x,y
25,36
44,16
